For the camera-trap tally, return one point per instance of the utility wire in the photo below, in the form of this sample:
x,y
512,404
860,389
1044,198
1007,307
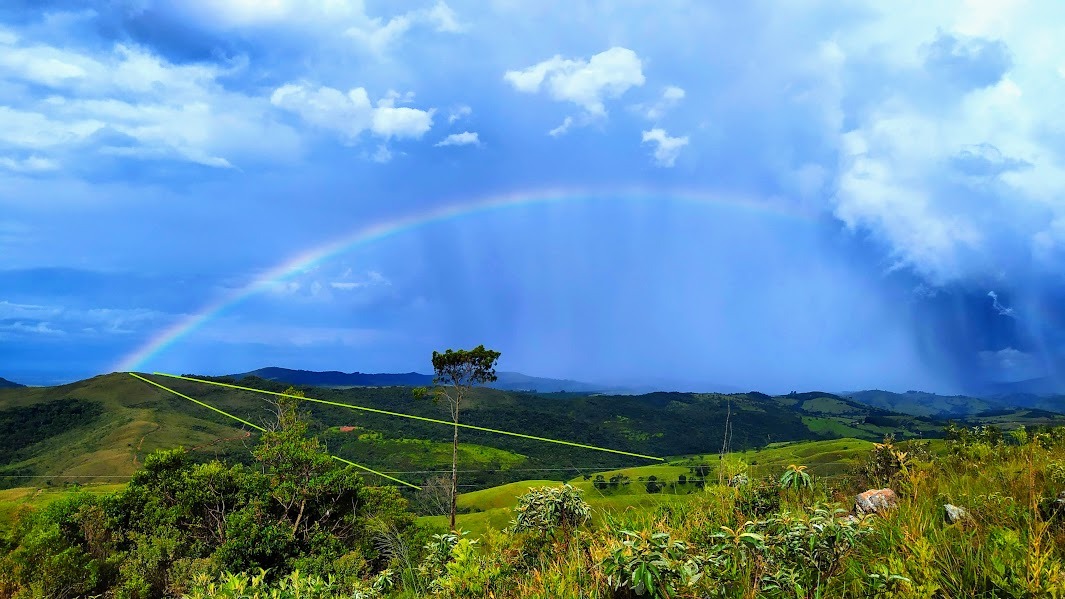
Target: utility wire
x,y
413,417
261,429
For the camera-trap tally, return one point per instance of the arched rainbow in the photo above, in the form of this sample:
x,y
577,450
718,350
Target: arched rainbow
x,y
373,232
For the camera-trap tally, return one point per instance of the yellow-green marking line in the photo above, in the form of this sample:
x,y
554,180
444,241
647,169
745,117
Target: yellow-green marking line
x,y
413,417
261,429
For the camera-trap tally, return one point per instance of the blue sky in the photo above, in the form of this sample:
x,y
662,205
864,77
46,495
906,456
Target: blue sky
x,y
834,197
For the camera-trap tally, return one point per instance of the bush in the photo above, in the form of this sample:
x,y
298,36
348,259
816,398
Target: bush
x,y
651,564
551,511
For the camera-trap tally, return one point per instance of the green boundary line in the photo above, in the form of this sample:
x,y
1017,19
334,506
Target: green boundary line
x,y
259,428
411,416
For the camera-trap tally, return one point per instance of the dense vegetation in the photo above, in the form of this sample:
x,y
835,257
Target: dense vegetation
x,y
296,509
298,524
23,429
138,419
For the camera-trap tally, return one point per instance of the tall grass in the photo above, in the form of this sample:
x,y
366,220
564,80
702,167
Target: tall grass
x,y
762,540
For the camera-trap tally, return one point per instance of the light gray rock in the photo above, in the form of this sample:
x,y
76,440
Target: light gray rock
x,y
738,481
955,514
875,501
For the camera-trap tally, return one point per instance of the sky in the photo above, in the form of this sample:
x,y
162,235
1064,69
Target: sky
x,y
762,195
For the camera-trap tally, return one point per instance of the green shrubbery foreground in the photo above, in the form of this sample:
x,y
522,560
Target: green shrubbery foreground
x,y
297,525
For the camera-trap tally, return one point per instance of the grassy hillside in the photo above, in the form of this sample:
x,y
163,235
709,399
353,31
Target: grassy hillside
x,y
95,430
492,508
98,430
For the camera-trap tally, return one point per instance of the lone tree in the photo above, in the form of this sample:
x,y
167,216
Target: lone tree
x,y
455,373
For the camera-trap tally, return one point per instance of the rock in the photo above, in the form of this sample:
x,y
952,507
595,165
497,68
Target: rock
x,y
738,481
955,514
875,501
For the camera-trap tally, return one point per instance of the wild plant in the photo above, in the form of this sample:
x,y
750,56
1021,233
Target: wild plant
x,y
652,564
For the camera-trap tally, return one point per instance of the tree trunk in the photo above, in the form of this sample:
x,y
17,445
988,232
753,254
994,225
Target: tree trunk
x,y
454,470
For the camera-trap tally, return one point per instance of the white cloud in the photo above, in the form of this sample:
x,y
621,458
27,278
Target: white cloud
x,y
938,162
378,36
466,138
401,122
34,319
373,278
156,109
32,329
444,18
328,287
382,154
459,112
30,164
585,83
671,96
1010,364
563,128
666,148
350,114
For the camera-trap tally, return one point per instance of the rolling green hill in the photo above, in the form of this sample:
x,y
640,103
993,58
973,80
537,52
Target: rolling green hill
x,y
494,507
100,429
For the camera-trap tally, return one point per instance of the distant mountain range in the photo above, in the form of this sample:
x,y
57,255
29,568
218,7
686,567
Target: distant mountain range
x,y
1038,386
1035,394
919,403
6,384
507,381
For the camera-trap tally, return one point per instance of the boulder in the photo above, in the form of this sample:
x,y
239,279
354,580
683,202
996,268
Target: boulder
x,y
955,514
738,481
875,501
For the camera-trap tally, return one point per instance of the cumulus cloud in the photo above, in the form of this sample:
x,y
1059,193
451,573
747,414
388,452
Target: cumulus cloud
x,y
29,164
459,112
379,36
331,286
350,114
671,96
466,138
586,83
562,128
970,62
39,319
1010,364
666,148
161,110
372,279
935,178
1002,310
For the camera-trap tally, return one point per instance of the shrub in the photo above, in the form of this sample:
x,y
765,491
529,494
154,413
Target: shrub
x,y
651,564
551,511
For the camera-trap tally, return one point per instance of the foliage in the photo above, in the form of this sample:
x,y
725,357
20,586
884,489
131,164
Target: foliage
x,y
796,478
295,585
298,511
652,564
551,511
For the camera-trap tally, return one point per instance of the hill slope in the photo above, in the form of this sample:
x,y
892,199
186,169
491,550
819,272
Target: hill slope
x,y
99,429
6,384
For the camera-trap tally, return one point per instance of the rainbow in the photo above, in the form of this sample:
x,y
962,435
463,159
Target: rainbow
x,y
442,212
